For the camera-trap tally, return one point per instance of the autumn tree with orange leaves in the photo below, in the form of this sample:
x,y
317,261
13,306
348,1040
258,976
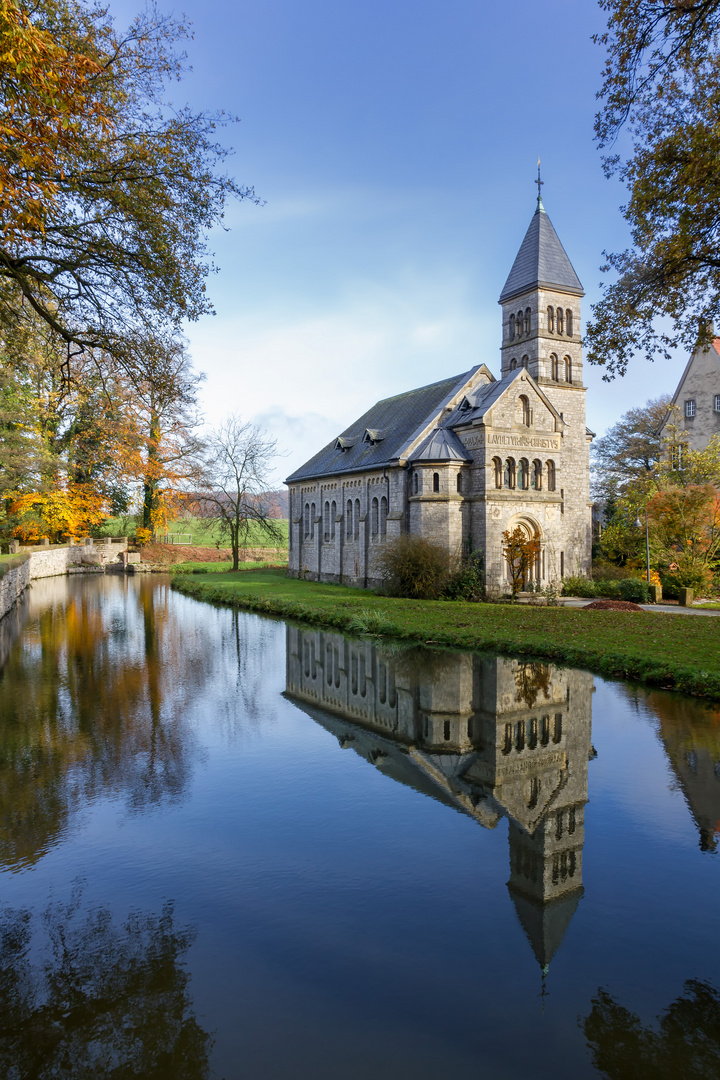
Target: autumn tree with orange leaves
x,y
106,196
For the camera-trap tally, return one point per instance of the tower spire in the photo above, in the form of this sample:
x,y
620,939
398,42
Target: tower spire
x,y
540,183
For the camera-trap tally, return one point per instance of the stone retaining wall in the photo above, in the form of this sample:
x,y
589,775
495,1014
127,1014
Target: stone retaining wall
x,y
13,584
53,561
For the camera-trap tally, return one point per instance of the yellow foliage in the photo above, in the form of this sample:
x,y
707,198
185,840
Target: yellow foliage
x,y
58,514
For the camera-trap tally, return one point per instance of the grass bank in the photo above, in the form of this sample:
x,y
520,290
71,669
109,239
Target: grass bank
x,y
220,567
201,531
678,653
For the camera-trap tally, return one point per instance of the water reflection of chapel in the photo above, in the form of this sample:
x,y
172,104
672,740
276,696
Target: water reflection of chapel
x,y
489,736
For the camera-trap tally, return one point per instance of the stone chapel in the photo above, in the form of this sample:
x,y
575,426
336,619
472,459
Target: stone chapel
x,y
468,457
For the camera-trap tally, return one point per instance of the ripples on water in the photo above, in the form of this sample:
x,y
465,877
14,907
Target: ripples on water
x,y
232,848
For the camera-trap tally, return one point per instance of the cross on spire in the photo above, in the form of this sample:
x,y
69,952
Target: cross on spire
x,y
539,183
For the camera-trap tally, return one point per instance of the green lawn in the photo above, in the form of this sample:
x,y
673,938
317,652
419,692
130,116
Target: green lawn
x,y
676,652
203,533
218,567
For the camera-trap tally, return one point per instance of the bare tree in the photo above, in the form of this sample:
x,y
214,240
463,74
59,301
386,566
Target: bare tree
x,y
237,490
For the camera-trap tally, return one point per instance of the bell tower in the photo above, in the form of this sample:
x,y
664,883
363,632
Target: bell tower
x,y
541,307
540,303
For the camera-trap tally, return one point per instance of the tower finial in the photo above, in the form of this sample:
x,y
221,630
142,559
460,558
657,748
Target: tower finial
x,y
539,183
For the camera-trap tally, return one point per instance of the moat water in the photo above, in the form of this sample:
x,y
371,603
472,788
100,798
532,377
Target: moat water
x,y
231,848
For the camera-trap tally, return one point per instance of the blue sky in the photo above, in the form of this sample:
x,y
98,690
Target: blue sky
x,y
395,146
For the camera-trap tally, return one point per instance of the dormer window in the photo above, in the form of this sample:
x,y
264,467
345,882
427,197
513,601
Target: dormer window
x,y
373,436
464,405
343,443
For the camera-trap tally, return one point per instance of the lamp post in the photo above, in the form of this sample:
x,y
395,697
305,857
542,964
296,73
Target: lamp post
x,y
638,524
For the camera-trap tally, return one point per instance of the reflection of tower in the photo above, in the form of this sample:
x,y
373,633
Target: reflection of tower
x,y
491,737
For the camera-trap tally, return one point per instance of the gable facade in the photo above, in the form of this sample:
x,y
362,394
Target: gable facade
x,y
695,412
463,460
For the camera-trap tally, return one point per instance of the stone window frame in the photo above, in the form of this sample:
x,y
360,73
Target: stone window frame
x,y
551,320
569,322
567,362
511,328
498,468
560,321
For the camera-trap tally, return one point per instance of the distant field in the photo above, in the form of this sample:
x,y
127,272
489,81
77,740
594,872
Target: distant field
x,y
203,533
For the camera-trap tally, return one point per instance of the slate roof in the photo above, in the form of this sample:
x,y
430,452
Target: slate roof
x,y
397,419
541,261
442,444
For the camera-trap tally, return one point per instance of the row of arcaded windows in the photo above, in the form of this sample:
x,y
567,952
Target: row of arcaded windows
x,y
523,474
560,322
416,485
561,370
378,518
329,515
523,363
520,324
530,734
309,521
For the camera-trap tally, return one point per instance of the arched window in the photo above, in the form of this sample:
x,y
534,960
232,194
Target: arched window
x,y
512,327
569,322
524,404
536,475
306,521
313,515
416,483
568,369
519,323
523,474
357,518
333,515
497,465
527,320
383,516
458,482
374,518
326,521
436,481
554,367
550,469
513,364
560,320
525,361
551,320
349,521
509,473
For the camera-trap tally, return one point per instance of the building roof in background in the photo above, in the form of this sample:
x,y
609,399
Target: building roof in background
x,y
541,261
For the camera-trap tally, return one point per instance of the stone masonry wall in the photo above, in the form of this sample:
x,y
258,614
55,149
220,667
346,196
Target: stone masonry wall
x,y
52,562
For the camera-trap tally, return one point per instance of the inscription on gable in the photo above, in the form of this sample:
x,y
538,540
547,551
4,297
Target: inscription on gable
x,y
496,438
